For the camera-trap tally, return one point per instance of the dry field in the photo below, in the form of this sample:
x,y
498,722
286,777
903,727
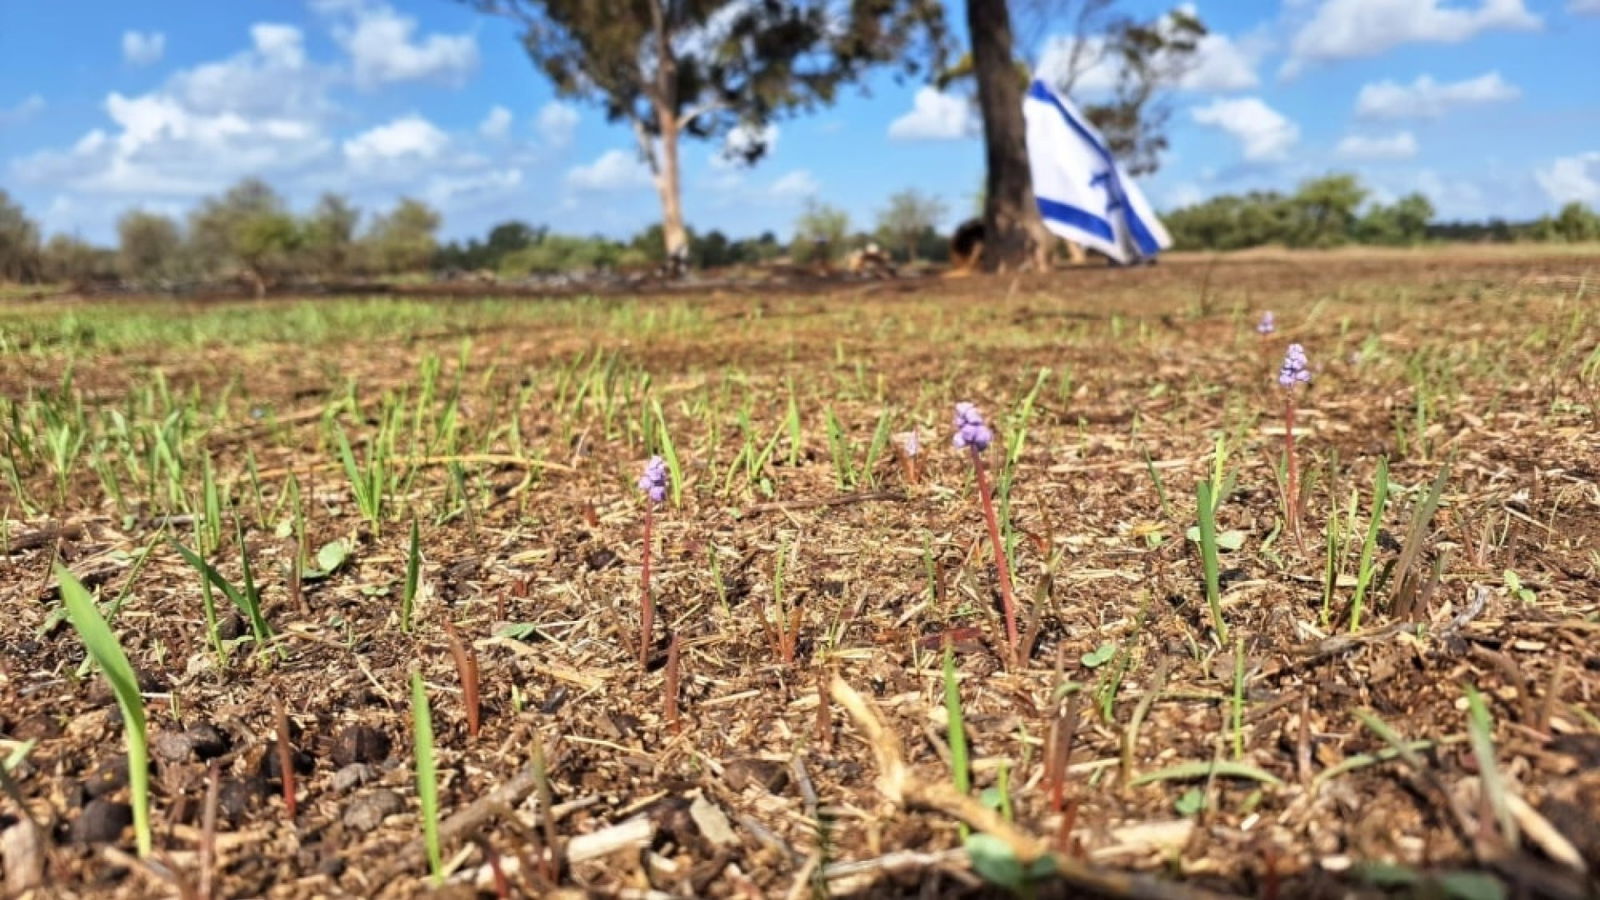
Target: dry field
x,y
306,523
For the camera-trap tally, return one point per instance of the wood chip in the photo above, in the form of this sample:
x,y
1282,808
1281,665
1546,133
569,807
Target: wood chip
x,y
633,833
712,822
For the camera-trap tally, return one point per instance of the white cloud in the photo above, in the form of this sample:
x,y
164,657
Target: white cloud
x,y
1264,134
1221,65
741,140
1428,98
556,124
496,123
449,190
936,116
1396,146
409,136
25,109
614,170
281,45
143,48
1454,197
261,111
799,183
163,147
1572,178
272,78
1347,29
1185,194
384,48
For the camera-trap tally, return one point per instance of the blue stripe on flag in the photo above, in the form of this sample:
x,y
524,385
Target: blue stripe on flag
x,y
1075,217
1141,235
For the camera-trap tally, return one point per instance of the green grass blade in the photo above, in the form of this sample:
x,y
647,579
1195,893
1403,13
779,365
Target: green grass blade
x,y
427,776
1208,557
1190,771
1380,498
408,600
107,653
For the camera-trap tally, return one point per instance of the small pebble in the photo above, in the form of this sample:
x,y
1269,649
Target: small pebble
x,y
101,821
109,776
367,812
360,744
207,739
351,776
172,746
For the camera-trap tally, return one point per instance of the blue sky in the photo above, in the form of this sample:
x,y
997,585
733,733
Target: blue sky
x,y
1491,107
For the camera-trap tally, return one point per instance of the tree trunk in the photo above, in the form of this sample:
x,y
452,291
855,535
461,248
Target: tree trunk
x,y
1009,243
669,186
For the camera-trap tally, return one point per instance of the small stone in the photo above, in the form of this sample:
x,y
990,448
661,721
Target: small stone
x,y
208,740
37,727
110,776
102,821
172,746
769,774
231,628
360,744
270,766
332,867
602,559
237,796
352,776
22,856
367,812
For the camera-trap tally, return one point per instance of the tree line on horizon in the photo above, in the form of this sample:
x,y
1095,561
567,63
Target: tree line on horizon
x,y
725,70
249,233
1336,209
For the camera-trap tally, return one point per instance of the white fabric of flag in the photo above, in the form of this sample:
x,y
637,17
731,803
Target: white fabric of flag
x,y
1083,195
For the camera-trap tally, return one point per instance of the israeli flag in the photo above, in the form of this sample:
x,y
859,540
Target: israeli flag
x,y
1083,195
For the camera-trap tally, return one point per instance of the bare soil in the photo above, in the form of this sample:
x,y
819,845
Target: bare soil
x,y
767,780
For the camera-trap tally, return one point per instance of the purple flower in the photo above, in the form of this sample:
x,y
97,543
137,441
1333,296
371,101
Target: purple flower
x,y
1266,325
970,430
1294,371
910,442
654,480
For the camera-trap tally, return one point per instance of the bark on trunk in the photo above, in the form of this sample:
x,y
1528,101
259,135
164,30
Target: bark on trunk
x,y
665,161
669,186
1009,213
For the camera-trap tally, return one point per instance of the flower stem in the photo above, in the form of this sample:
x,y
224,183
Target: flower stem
x,y
1002,571
647,607
1291,502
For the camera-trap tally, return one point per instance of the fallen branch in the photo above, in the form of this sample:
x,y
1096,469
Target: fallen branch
x,y
841,500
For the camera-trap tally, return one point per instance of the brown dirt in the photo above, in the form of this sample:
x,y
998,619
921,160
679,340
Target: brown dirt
x,y
1149,363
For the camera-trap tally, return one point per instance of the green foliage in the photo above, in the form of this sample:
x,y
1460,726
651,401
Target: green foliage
x,y
730,63
148,245
328,236
427,776
1577,222
402,239
1369,546
75,261
1402,223
910,216
960,773
820,233
997,863
561,253
107,654
1207,500
19,242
